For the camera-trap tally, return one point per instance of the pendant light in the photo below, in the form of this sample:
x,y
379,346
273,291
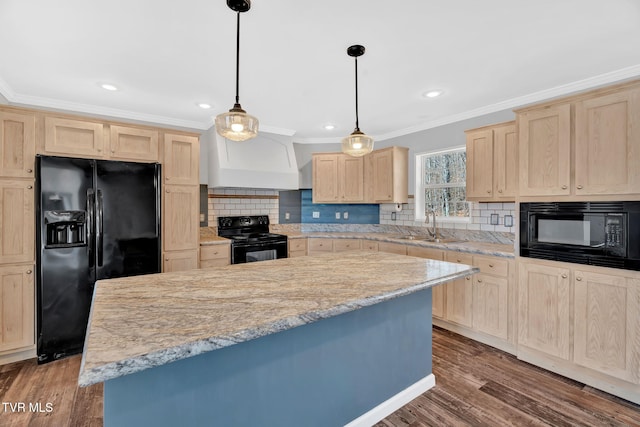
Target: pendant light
x,y
357,144
236,124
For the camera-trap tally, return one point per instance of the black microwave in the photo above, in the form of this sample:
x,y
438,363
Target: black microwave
x,y
596,233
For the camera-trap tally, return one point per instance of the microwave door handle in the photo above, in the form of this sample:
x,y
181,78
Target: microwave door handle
x,y
90,224
99,227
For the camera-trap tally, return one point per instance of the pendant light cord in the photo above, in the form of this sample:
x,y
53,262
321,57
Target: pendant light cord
x,y
357,124
238,60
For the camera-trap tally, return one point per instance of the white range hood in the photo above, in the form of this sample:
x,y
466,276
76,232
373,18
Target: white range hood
x,y
267,161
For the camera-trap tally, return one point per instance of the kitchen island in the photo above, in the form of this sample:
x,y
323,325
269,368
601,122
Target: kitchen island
x,y
325,340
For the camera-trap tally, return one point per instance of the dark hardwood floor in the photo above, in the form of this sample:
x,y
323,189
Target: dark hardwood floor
x,y
476,385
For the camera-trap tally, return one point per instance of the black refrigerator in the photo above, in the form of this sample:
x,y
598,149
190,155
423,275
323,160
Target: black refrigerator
x,y
96,219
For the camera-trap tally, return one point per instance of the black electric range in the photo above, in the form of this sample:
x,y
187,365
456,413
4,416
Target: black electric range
x,y
250,238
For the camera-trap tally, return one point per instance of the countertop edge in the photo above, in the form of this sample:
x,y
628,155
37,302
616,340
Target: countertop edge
x,y
162,357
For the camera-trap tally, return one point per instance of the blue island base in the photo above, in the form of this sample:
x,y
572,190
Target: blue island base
x,y
327,373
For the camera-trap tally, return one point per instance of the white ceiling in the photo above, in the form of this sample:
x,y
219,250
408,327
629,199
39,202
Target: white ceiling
x,y
295,75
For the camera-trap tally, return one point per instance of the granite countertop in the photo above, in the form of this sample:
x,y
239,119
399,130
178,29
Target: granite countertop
x,y
145,321
469,246
213,240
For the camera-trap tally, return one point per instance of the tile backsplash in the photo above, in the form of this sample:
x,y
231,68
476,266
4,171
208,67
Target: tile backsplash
x,y
242,201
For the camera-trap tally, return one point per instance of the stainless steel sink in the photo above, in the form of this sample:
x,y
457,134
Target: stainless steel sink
x,y
430,239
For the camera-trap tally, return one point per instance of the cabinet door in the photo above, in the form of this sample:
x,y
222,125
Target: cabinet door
x,y
459,299
382,176
437,292
179,261
607,149
17,145
341,245
392,248
544,297
480,164
325,178
320,246
181,160
490,305
181,226
16,307
545,141
75,138
128,143
605,324
17,221
351,179
505,162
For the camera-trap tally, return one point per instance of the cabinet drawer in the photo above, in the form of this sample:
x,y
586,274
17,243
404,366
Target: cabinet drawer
x,y
297,245
320,245
220,262
492,265
295,254
458,258
393,248
340,245
368,245
214,252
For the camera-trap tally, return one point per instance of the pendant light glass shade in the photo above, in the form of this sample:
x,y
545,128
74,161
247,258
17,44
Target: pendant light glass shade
x,y
357,144
236,124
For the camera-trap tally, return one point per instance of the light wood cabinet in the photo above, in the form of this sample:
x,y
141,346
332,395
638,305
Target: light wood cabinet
x,y
392,248
370,245
320,245
387,175
181,226
179,261
17,306
71,137
438,293
606,330
545,151
342,245
459,294
133,144
215,255
544,308
491,296
297,247
17,221
607,135
338,178
181,163
583,147
17,145
379,177
492,156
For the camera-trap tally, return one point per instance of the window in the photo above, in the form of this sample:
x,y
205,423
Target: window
x,y
441,184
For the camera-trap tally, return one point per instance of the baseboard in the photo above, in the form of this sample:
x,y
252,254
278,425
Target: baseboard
x,y
394,403
17,355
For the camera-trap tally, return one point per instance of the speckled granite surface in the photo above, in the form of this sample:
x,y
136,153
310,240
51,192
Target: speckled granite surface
x,y
145,321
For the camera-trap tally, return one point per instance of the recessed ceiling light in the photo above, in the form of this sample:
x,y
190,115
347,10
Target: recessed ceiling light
x,y
107,86
204,105
329,126
433,94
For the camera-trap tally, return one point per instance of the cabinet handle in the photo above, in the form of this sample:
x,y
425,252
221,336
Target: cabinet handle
x,y
113,151
499,191
564,276
488,191
168,191
166,259
564,187
458,260
469,278
29,187
28,271
579,279
490,265
579,187
479,280
29,170
99,150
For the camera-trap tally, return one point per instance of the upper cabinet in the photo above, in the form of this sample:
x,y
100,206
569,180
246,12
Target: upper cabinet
x,y
492,158
70,137
129,143
17,145
379,177
583,146
181,159
387,175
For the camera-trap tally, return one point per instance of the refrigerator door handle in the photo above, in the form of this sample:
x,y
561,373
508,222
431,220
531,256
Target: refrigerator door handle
x,y
90,224
99,228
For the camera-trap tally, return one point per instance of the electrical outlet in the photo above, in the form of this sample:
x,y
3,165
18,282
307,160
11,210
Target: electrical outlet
x,y
495,219
393,216
315,214
287,215
337,215
508,220
345,215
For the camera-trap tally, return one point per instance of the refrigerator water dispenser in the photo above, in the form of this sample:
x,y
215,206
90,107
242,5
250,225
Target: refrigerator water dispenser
x,y
65,229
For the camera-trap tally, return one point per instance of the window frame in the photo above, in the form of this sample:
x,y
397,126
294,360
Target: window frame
x,y
419,202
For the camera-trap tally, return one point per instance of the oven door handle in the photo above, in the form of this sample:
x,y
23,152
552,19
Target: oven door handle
x,y
258,244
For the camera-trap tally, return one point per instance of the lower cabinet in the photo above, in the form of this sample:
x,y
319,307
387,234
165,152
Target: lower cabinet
x,y
459,293
393,248
215,255
320,245
17,304
297,247
437,292
179,261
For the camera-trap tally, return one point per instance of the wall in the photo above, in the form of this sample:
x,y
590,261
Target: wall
x,y
300,206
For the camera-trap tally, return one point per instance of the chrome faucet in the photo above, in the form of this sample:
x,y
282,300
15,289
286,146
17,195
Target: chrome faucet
x,y
433,232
